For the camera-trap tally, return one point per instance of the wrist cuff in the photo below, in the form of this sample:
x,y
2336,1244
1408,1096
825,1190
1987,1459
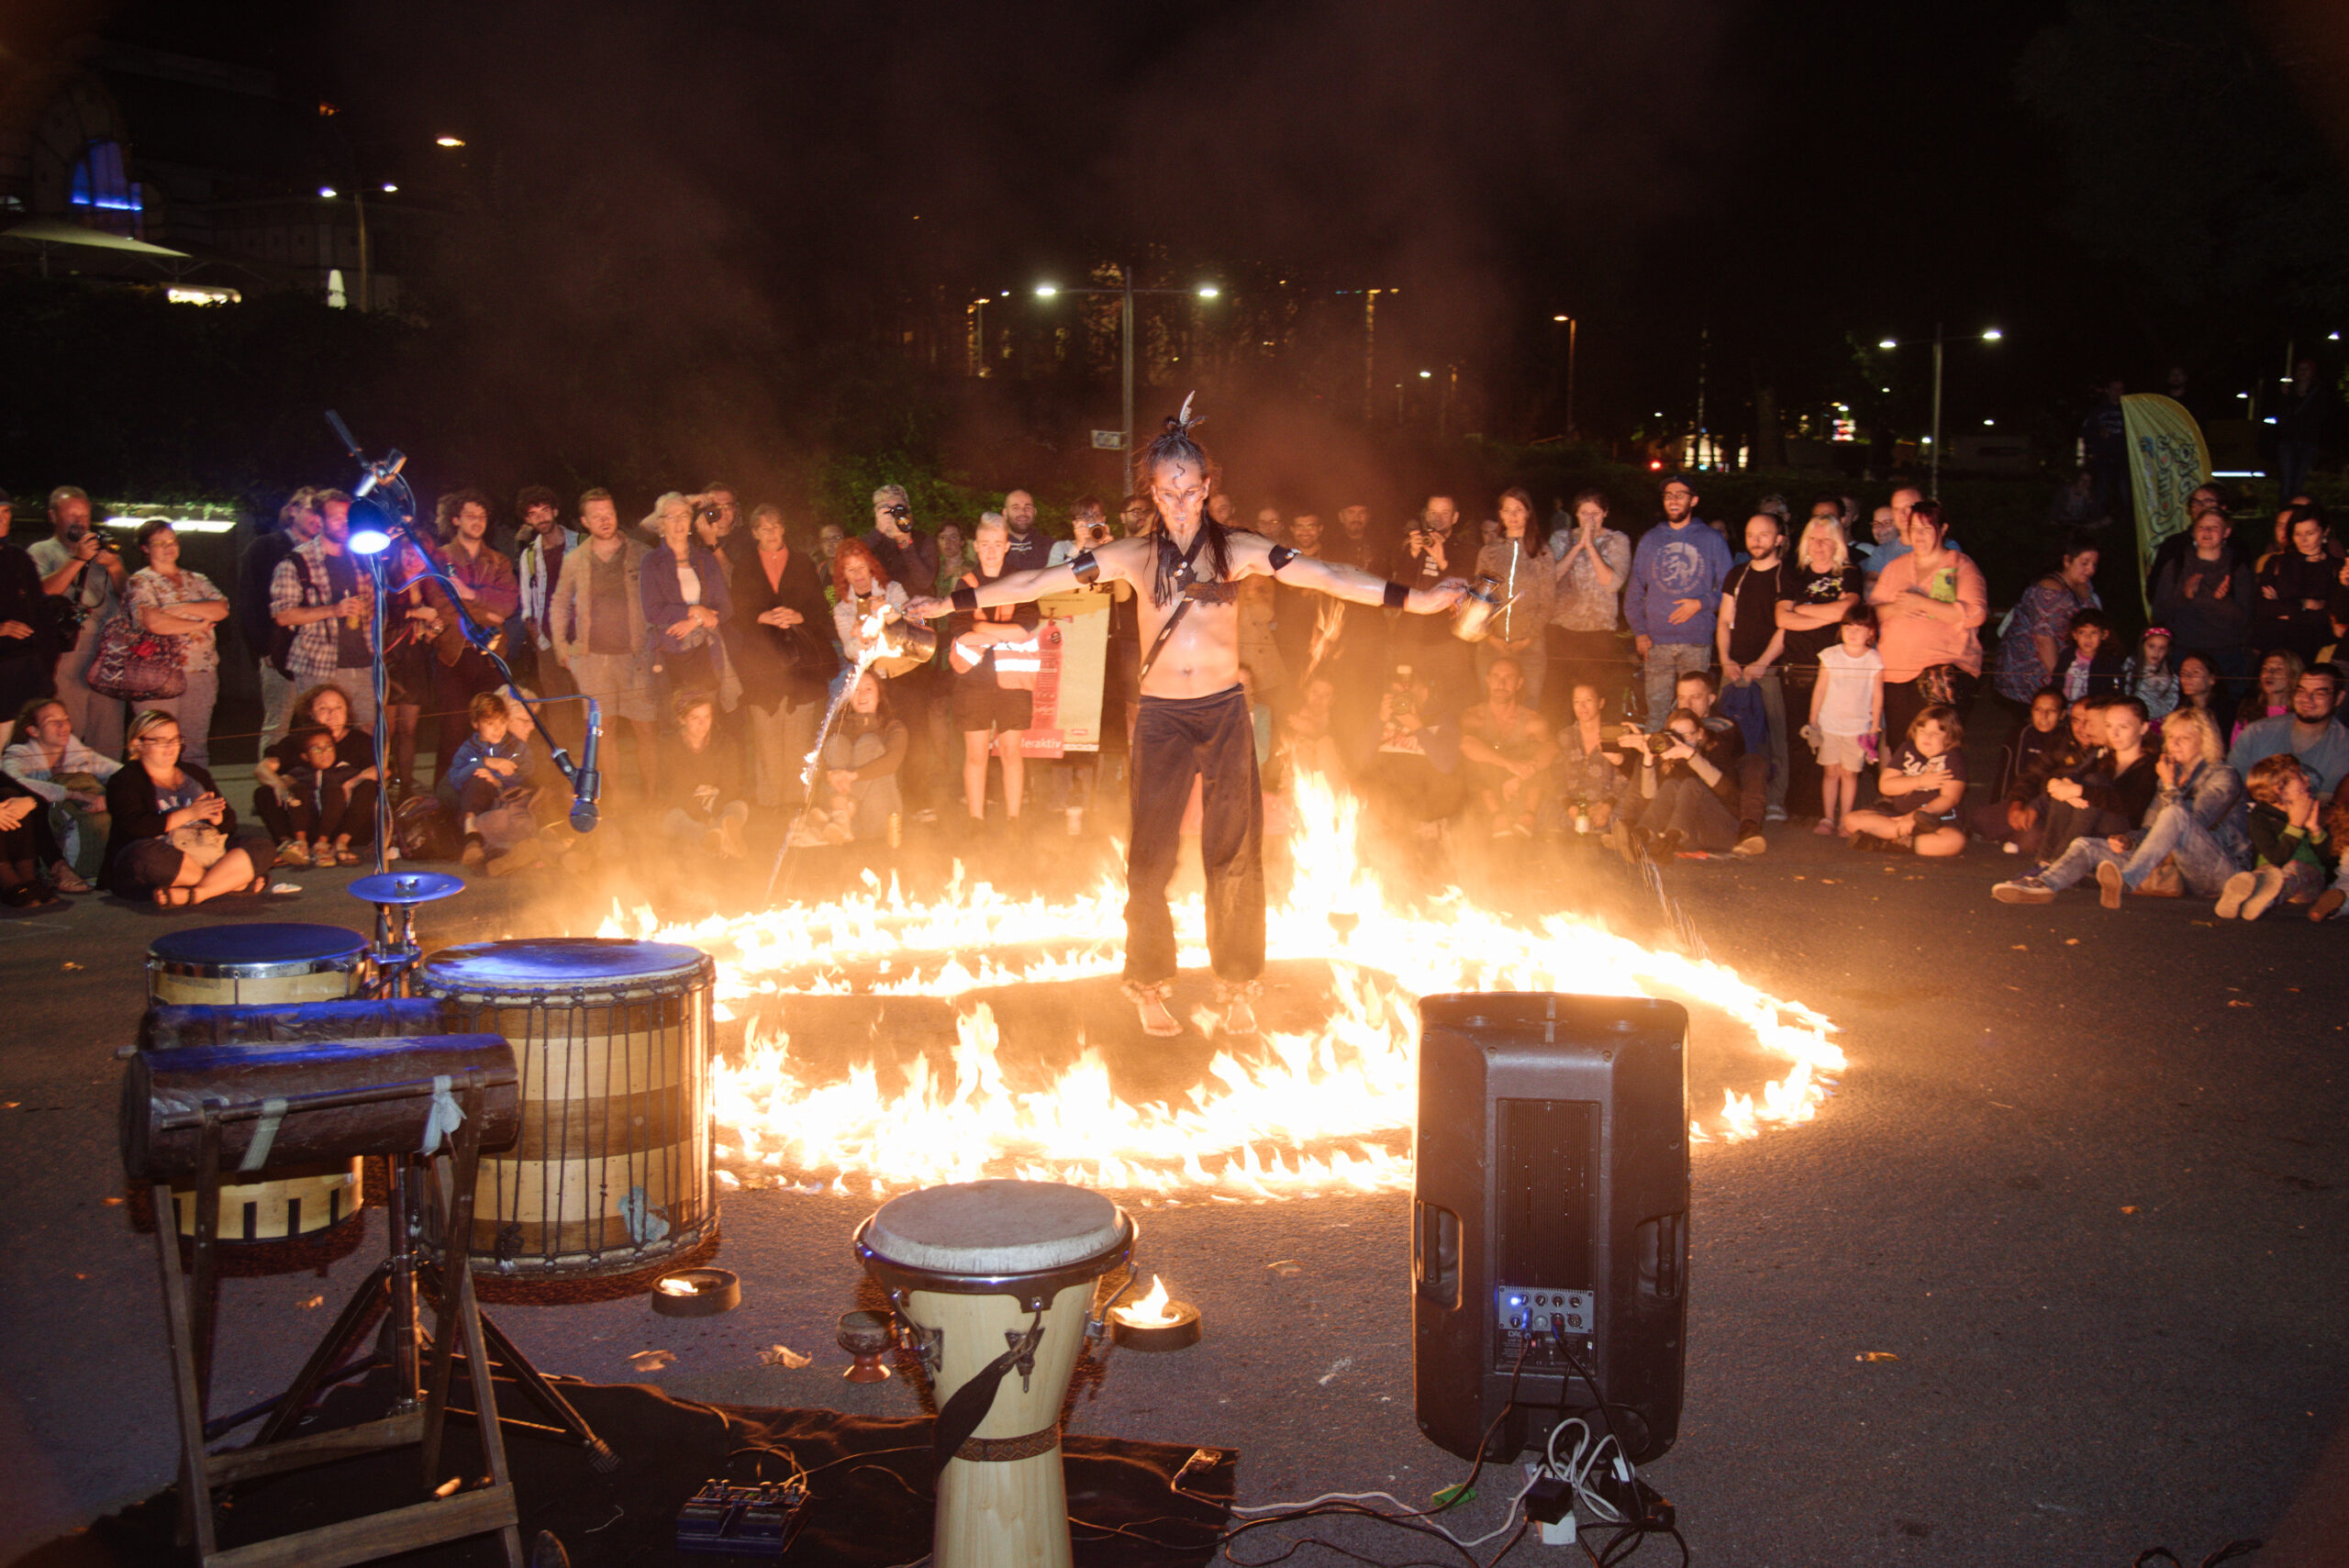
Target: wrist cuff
x,y
964,598
1396,595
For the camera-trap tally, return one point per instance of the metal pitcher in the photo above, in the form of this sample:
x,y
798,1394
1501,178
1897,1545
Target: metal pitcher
x,y
1472,618
902,639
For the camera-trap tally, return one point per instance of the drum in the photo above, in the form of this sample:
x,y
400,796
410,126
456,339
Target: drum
x,y
611,1173
972,1269
247,967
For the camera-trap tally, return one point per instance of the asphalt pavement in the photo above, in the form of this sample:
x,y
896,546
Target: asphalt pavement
x,y
2058,1275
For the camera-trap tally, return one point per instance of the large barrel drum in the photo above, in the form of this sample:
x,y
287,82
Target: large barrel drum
x,y
611,1171
253,966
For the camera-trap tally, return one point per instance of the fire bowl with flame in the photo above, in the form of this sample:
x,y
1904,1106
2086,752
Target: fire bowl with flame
x,y
1154,1323
1321,1102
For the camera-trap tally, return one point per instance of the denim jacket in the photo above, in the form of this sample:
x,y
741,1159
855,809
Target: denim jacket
x,y
2210,793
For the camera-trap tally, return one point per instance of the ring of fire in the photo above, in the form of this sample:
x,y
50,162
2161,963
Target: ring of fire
x,y
1296,1113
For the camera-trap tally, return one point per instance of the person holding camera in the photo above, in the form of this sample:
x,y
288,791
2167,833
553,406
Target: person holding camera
x,y
81,568
778,643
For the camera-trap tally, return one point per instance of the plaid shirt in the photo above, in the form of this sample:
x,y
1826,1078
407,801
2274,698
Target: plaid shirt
x,y
303,581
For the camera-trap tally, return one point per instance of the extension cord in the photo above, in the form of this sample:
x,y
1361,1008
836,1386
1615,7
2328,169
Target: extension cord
x,y
1560,1534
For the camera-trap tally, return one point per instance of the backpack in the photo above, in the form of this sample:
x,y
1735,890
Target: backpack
x,y
423,829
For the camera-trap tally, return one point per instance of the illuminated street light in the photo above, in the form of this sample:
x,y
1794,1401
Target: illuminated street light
x,y
1992,335
448,142
328,192
1427,376
1046,291
1887,343
1562,318
390,189
1125,293
1209,291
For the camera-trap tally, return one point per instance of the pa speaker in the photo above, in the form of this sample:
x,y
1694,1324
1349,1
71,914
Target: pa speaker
x,y
1550,1219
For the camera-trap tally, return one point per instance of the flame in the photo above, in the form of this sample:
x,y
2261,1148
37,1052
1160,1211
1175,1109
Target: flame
x,y
1149,1312
1326,1110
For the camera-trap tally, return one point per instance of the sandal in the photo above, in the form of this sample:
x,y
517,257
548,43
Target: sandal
x,y
1150,1001
293,853
344,855
65,879
174,897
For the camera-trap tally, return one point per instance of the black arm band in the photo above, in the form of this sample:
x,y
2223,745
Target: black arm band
x,y
1280,556
1084,567
1397,595
964,598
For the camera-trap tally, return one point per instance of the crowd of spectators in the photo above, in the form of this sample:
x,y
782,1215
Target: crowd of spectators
x,y
1683,687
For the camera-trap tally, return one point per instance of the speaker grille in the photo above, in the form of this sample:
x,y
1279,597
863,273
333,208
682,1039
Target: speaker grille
x,y
1548,1213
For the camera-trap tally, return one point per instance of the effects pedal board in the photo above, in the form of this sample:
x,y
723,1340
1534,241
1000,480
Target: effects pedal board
x,y
734,1519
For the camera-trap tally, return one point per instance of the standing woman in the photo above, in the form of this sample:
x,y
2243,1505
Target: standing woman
x,y
25,643
786,658
2295,588
2036,639
1593,562
1521,563
1929,603
174,840
992,705
1824,585
860,588
684,603
183,605
2206,596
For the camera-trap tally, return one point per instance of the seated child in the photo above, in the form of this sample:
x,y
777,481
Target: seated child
x,y
2093,668
316,799
2293,854
488,786
1920,789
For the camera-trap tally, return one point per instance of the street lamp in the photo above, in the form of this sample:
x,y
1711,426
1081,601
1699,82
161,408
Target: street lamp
x,y
1987,335
1573,329
1126,292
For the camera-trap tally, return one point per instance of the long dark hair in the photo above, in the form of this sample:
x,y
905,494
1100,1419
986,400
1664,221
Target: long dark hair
x,y
1536,541
1174,445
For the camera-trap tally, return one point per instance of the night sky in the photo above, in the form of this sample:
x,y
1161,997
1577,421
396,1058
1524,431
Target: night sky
x,y
1786,182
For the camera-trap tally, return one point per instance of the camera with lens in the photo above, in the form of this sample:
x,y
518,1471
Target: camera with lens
x,y
898,510
1664,740
709,512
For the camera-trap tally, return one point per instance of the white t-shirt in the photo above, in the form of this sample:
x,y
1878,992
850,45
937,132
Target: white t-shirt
x,y
1849,707
688,583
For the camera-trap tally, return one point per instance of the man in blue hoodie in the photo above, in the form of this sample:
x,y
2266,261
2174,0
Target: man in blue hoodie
x,y
1674,591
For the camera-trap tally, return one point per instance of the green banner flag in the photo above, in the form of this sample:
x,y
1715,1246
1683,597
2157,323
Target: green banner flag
x,y
2167,461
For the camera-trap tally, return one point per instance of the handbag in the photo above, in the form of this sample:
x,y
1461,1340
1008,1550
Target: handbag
x,y
134,664
202,842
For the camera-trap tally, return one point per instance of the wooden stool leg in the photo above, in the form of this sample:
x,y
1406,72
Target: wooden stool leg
x,y
208,1226
196,1490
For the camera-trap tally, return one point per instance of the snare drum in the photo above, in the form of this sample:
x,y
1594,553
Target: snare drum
x,y
972,1269
611,1171
248,966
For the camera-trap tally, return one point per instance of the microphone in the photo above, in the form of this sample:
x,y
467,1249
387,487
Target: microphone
x,y
586,783
377,473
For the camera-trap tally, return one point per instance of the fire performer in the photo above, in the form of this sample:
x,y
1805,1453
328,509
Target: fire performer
x,y
1193,721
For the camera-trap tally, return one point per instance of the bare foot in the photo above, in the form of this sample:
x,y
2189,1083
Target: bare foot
x,y
1150,1001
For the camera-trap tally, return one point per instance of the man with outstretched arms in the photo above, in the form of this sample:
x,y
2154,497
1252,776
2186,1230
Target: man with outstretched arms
x,y
1193,719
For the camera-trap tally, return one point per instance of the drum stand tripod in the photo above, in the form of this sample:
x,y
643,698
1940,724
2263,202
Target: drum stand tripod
x,y
422,1412
392,1287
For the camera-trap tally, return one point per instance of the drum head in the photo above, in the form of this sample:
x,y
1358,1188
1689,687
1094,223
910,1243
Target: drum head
x,y
261,948
561,963
995,1228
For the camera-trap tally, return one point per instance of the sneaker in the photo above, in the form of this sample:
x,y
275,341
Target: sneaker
x,y
1824,828
2328,904
294,853
2267,885
1749,839
1774,814
2231,896
2024,890
476,854
2011,849
2109,888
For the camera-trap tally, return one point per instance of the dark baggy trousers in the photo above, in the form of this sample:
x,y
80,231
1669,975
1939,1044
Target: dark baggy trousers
x,y
1177,739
